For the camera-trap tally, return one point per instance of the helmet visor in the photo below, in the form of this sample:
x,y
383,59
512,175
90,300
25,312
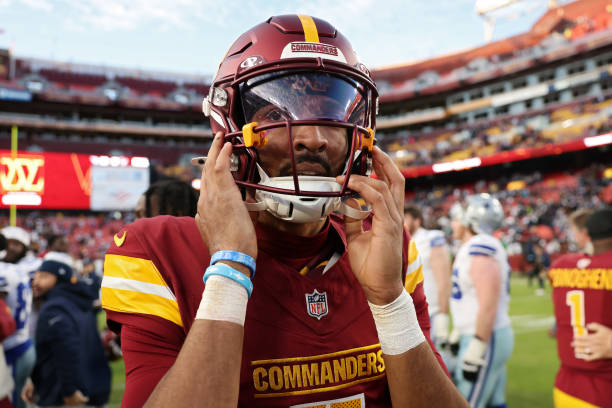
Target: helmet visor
x,y
289,95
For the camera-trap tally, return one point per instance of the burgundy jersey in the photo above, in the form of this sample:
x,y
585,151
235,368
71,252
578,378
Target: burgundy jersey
x,y
582,293
309,336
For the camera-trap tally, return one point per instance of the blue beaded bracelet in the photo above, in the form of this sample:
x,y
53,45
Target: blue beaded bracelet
x,y
235,256
231,273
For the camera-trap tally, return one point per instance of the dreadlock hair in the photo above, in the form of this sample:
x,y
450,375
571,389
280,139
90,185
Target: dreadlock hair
x,y
175,198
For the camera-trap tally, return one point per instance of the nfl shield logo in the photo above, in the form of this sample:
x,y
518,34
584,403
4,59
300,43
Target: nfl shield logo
x,y
316,304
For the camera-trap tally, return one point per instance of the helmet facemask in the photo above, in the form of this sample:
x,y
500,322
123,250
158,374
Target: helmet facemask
x,y
275,109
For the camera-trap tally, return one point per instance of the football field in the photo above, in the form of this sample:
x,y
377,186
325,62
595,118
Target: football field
x,y
532,367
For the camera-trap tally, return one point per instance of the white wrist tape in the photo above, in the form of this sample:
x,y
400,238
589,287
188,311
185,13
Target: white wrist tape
x,y
397,325
223,299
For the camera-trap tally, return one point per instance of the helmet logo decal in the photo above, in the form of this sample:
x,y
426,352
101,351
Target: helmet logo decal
x,y
251,62
312,50
314,47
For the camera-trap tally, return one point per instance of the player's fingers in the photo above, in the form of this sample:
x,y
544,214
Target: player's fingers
x,y
595,326
382,188
213,152
372,192
352,226
222,165
386,168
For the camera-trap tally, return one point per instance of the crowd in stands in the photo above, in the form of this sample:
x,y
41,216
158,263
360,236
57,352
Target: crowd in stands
x,y
559,124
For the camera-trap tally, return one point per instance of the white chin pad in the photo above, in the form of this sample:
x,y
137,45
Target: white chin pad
x,y
301,209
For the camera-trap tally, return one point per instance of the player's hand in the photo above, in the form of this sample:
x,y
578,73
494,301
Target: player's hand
x,y
222,217
453,342
596,345
439,329
376,255
76,399
27,392
473,359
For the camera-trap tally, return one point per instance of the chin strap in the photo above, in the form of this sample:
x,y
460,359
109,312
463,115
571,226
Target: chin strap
x,y
351,212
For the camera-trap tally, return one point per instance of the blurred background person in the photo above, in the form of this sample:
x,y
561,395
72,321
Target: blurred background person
x,y
582,297
16,289
479,303
168,197
71,367
7,327
540,263
435,258
578,231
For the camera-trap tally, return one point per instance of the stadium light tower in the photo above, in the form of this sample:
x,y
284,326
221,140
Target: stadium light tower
x,y
492,10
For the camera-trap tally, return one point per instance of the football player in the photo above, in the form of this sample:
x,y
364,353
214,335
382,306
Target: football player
x,y
582,297
329,321
435,257
479,302
16,289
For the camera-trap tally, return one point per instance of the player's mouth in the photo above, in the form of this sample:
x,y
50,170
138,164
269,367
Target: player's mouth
x,y
307,164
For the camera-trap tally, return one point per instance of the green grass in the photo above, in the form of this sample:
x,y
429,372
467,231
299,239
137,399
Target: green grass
x,y
531,369
534,363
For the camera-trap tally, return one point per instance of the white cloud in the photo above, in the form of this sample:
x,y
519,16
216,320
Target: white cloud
x,y
126,15
44,5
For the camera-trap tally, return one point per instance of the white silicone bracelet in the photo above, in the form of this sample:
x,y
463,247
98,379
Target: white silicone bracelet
x,y
397,325
223,299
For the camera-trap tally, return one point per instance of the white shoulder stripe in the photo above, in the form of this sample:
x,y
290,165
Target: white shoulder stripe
x,y
416,264
137,286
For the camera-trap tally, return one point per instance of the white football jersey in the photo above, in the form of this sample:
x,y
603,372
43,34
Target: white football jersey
x,y
15,281
425,240
463,302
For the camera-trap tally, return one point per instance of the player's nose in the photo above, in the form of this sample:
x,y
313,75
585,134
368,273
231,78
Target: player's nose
x,y
310,138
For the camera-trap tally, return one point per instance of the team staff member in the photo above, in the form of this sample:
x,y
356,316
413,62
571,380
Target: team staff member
x,y
582,296
329,321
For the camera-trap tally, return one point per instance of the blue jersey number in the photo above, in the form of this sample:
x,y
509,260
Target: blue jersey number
x,y
456,290
24,294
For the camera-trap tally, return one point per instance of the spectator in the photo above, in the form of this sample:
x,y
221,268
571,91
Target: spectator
x,y
71,368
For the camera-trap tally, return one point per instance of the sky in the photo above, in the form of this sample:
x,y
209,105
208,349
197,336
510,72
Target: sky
x,y
191,36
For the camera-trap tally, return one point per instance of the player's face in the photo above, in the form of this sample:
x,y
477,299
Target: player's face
x,y
410,223
15,250
42,283
318,151
458,229
580,237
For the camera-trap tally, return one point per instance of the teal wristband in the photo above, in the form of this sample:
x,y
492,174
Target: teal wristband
x,y
234,256
231,273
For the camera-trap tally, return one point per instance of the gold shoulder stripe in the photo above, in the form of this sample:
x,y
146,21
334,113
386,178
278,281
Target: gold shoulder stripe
x,y
143,270
413,279
135,285
310,29
129,301
413,252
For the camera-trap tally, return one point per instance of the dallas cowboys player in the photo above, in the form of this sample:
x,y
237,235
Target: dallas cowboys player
x,y
15,288
479,303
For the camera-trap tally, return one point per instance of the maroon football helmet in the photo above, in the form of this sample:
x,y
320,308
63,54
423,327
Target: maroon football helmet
x,y
290,72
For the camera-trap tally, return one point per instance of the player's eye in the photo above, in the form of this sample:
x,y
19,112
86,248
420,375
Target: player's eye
x,y
274,115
